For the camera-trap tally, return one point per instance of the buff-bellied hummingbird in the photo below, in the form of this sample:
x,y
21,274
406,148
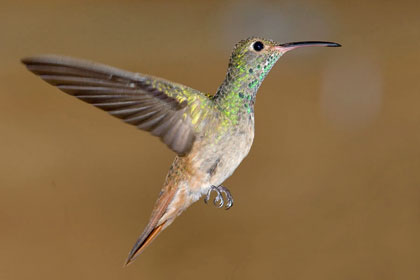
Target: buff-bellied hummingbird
x,y
211,134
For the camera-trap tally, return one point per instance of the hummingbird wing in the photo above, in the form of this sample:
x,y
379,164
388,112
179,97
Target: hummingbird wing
x,y
152,104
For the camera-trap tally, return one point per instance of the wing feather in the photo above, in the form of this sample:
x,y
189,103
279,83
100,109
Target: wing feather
x,y
151,104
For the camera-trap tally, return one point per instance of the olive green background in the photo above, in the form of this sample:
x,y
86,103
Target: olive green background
x,y
330,189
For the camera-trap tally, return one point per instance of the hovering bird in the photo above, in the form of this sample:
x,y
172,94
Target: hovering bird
x,y
211,134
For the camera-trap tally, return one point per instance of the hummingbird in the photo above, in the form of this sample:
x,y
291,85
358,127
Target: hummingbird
x,y
210,134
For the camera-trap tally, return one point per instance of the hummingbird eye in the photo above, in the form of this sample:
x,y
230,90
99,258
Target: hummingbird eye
x,y
258,46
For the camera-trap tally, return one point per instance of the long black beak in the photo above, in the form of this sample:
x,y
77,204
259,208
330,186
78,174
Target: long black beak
x,y
309,44
283,48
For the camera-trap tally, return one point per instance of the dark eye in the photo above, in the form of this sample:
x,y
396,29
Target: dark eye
x,y
258,46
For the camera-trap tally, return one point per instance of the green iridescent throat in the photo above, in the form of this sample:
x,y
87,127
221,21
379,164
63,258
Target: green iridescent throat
x,y
236,95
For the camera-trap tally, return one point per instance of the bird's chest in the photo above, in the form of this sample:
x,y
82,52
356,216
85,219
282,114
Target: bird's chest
x,y
220,155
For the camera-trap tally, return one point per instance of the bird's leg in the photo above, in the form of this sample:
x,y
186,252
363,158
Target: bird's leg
x,y
218,200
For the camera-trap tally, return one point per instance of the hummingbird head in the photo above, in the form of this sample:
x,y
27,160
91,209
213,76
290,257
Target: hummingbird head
x,y
256,56
250,62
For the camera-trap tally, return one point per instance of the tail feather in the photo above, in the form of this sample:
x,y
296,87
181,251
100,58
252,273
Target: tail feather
x,y
155,225
144,240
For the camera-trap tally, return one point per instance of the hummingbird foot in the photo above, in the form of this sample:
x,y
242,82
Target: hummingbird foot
x,y
218,200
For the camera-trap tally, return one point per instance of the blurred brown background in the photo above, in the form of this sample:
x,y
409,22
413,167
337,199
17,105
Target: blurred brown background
x,y
330,190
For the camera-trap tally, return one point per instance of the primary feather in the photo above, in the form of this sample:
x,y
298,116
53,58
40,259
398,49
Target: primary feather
x,y
152,104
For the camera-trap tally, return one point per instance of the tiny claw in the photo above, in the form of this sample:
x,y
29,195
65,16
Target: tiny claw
x,y
229,204
229,197
218,200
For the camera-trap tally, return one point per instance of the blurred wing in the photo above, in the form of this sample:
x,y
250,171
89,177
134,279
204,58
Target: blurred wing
x,y
151,104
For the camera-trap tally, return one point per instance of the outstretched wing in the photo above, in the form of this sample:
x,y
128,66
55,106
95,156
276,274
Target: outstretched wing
x,y
150,103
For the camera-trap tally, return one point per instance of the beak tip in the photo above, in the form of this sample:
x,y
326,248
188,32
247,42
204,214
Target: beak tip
x,y
335,45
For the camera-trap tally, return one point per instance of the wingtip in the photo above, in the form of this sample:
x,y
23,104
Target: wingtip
x,y
26,60
31,59
39,58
